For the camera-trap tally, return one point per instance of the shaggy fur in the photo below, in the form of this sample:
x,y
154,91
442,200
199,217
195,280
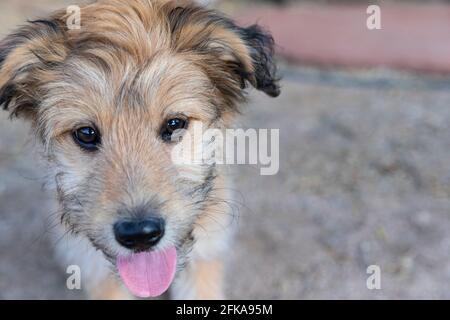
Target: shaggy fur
x,y
133,65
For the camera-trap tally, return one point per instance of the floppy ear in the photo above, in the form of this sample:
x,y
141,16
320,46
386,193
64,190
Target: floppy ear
x,y
26,57
248,53
261,70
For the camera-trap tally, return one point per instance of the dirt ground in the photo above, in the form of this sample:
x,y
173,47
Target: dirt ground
x,y
364,179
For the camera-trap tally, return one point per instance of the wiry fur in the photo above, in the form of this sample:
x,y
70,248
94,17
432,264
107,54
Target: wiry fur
x,y
131,66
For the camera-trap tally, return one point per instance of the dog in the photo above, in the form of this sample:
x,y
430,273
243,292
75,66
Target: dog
x,y
105,101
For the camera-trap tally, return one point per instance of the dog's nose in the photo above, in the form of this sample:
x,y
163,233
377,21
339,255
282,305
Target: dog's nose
x,y
139,235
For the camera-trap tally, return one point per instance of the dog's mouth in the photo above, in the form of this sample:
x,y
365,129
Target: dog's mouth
x,y
148,274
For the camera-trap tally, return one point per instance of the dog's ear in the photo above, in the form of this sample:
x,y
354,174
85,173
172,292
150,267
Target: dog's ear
x,y
260,70
26,56
248,53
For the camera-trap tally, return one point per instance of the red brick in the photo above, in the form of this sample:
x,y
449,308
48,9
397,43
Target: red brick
x,y
413,37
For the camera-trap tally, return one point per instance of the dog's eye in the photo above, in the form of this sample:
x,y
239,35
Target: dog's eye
x,y
171,126
87,138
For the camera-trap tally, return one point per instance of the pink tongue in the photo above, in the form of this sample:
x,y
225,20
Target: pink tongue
x,y
148,274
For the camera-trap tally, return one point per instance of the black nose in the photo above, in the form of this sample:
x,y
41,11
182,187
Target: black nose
x,y
139,235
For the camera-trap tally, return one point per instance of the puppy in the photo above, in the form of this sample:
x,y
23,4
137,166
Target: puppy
x,y
106,101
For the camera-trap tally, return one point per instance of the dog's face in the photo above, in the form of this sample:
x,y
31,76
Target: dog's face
x,y
107,99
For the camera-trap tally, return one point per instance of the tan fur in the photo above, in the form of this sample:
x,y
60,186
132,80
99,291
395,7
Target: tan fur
x,y
209,279
133,65
110,289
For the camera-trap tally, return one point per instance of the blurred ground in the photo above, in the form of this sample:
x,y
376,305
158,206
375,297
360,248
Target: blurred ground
x,y
364,179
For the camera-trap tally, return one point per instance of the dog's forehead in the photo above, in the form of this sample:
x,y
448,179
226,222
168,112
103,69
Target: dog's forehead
x,y
140,27
148,93
120,75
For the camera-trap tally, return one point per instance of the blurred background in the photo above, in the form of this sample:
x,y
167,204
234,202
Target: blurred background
x,y
364,177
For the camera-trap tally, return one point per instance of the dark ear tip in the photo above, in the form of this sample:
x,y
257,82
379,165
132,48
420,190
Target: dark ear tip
x,y
274,92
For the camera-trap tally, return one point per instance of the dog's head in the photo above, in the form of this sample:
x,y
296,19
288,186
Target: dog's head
x,y
106,100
